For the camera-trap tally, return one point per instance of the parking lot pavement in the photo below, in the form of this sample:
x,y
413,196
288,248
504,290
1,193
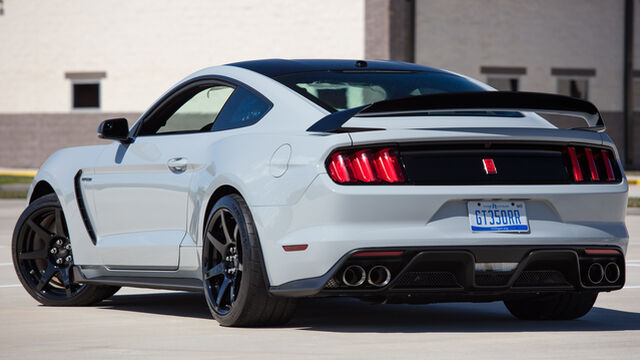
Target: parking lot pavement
x,y
140,323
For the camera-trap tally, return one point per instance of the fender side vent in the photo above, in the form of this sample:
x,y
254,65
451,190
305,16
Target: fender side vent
x,y
82,207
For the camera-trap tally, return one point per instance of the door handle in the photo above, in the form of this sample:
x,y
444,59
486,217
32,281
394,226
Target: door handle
x,y
177,164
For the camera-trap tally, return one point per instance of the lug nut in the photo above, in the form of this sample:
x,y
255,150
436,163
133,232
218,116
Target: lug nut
x,y
59,242
68,247
59,261
68,258
53,251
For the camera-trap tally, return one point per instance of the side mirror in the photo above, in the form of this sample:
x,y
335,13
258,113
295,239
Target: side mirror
x,y
115,129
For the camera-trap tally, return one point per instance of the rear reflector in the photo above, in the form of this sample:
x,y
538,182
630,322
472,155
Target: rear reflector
x,y
378,253
301,247
365,166
602,252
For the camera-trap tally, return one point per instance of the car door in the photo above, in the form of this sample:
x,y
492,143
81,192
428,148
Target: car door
x,y
140,191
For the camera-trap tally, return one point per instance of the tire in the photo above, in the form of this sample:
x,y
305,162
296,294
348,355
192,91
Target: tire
x,y
46,273
233,272
554,307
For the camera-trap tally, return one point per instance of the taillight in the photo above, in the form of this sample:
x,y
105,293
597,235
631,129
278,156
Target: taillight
x,y
575,165
362,166
340,169
388,166
594,165
365,166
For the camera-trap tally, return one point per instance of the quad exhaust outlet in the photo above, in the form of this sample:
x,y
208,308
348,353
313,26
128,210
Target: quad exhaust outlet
x,y
354,275
595,273
612,272
379,276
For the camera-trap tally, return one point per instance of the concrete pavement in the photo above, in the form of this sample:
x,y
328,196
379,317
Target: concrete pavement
x,y
139,323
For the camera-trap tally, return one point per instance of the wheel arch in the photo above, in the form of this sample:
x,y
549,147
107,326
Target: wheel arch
x,y
41,189
220,192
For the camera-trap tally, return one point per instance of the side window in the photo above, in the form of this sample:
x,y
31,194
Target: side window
x,y
244,108
199,112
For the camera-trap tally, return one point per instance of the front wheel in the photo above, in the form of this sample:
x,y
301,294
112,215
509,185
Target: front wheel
x,y
43,257
232,269
553,307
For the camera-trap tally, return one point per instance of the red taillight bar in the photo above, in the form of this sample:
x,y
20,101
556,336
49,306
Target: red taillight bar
x,y
607,165
388,166
340,169
365,166
575,165
592,165
362,167
378,253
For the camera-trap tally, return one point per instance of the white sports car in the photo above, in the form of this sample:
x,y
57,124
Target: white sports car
x,y
263,181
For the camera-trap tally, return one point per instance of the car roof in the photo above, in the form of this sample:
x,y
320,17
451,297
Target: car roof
x,y
277,67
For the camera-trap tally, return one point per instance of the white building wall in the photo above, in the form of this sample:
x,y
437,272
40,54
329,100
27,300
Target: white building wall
x,y
463,35
145,46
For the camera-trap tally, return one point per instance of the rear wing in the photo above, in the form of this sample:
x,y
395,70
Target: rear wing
x,y
468,101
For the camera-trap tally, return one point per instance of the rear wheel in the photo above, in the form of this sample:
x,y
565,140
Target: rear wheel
x,y
43,258
553,307
233,275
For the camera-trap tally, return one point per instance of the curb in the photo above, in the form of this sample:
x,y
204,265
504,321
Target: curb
x,y
29,173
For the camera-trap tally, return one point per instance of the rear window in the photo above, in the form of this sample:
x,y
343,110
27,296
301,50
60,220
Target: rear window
x,y
341,90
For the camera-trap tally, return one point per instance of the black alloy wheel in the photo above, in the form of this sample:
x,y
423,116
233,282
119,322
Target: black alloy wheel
x,y
43,257
233,274
222,261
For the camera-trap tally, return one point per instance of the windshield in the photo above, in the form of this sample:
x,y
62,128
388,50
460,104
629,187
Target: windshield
x,y
343,90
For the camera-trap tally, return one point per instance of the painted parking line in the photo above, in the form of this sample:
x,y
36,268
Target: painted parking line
x,y
10,286
6,264
631,287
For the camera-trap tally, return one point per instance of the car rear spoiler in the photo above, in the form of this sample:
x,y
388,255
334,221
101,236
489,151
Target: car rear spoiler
x,y
468,101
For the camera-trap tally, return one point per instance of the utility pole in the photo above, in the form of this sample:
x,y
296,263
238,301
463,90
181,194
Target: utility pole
x,y
628,82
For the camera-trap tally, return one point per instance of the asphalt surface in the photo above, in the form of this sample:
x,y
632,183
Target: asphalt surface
x,y
139,323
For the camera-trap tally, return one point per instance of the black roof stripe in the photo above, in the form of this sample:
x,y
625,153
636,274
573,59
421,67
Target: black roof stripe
x,y
276,67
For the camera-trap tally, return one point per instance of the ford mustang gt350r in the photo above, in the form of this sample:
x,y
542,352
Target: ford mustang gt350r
x,y
263,181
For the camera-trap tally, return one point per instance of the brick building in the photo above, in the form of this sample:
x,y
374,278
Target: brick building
x,y
66,65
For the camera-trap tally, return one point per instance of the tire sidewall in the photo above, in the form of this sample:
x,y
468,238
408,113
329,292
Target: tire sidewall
x,y
249,241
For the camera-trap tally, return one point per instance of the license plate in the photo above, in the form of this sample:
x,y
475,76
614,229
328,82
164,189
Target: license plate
x,y
498,216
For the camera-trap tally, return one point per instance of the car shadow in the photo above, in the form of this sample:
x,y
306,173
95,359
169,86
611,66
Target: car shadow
x,y
350,315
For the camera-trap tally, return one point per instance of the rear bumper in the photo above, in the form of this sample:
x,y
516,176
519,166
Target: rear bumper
x,y
453,274
335,220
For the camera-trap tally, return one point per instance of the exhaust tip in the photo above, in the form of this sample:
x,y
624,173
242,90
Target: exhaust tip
x,y
612,272
379,276
354,275
595,273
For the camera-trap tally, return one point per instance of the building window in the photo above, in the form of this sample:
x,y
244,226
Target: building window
x,y
85,90
574,87
503,83
86,95
503,78
573,82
